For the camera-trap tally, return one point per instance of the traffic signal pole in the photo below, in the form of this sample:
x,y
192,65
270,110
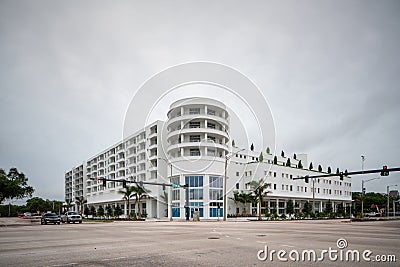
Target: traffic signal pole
x,y
387,170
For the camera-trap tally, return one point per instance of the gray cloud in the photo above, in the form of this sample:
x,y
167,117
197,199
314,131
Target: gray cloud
x,y
68,70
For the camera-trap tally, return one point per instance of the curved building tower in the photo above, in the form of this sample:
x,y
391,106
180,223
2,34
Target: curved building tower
x,y
197,143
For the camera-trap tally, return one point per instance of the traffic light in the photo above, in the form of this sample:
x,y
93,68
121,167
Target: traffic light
x,y
306,179
363,191
124,183
341,176
104,183
176,185
384,171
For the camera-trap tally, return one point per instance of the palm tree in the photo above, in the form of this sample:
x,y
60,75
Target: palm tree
x,y
127,193
139,193
80,201
259,187
68,204
236,199
245,198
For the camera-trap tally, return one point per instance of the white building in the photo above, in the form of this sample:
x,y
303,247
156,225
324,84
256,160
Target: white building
x,y
191,148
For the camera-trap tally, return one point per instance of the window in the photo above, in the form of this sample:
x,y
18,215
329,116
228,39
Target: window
x,y
214,209
194,152
274,174
274,186
194,110
216,182
194,138
211,138
237,173
176,211
291,188
211,152
283,187
215,194
283,175
237,185
194,181
194,124
210,112
211,125
195,194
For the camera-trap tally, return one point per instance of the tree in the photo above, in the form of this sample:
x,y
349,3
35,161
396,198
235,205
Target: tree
x,y
268,151
127,193
346,173
259,189
300,165
307,208
14,185
288,163
294,156
37,205
236,199
252,147
245,198
329,169
282,154
275,160
93,211
80,201
100,211
337,171
86,211
68,204
139,192
311,166
261,157
109,211
118,211
290,207
328,207
233,143
340,209
319,168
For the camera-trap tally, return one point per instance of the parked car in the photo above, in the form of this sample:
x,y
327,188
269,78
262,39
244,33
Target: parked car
x,y
71,216
50,218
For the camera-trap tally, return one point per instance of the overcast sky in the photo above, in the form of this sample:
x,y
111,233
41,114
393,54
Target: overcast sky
x,y
330,71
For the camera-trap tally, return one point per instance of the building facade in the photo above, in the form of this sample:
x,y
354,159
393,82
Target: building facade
x,y
193,147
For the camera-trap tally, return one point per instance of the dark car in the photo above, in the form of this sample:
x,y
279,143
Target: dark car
x,y
50,218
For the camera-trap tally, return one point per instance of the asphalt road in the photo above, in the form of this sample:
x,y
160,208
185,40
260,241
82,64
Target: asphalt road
x,y
196,243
